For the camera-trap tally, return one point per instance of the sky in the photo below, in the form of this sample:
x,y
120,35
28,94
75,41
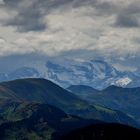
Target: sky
x,y
77,29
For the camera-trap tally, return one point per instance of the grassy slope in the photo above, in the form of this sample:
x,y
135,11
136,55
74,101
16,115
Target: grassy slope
x,y
124,99
34,121
44,91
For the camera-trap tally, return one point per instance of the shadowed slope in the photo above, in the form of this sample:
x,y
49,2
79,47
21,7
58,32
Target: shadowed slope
x,y
44,91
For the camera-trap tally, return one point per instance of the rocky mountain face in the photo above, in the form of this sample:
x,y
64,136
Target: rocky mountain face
x,y
95,73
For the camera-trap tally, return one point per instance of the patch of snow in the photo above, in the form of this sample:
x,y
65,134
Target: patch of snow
x,y
123,81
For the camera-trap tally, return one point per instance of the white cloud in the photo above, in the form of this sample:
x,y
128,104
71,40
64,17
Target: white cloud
x,y
1,2
88,27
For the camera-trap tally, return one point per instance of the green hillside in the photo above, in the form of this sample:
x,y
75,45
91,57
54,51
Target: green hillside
x,y
34,121
44,91
124,99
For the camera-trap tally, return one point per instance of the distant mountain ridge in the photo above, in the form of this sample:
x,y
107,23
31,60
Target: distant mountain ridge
x,y
46,92
38,109
96,73
123,99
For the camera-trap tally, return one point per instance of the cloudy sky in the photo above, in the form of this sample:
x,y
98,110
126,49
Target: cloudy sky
x,y
81,29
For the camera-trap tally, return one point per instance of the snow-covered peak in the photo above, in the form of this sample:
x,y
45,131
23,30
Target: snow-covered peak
x,y
96,73
122,82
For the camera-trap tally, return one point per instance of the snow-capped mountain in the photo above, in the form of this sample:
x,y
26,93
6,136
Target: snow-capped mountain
x,y
95,73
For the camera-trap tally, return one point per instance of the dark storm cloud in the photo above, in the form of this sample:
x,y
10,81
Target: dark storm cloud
x,y
30,14
69,28
132,8
127,21
11,3
106,7
129,16
30,17
28,20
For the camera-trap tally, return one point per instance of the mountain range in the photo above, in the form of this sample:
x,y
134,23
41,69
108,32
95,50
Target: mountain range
x,y
124,99
46,92
38,109
35,121
95,73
